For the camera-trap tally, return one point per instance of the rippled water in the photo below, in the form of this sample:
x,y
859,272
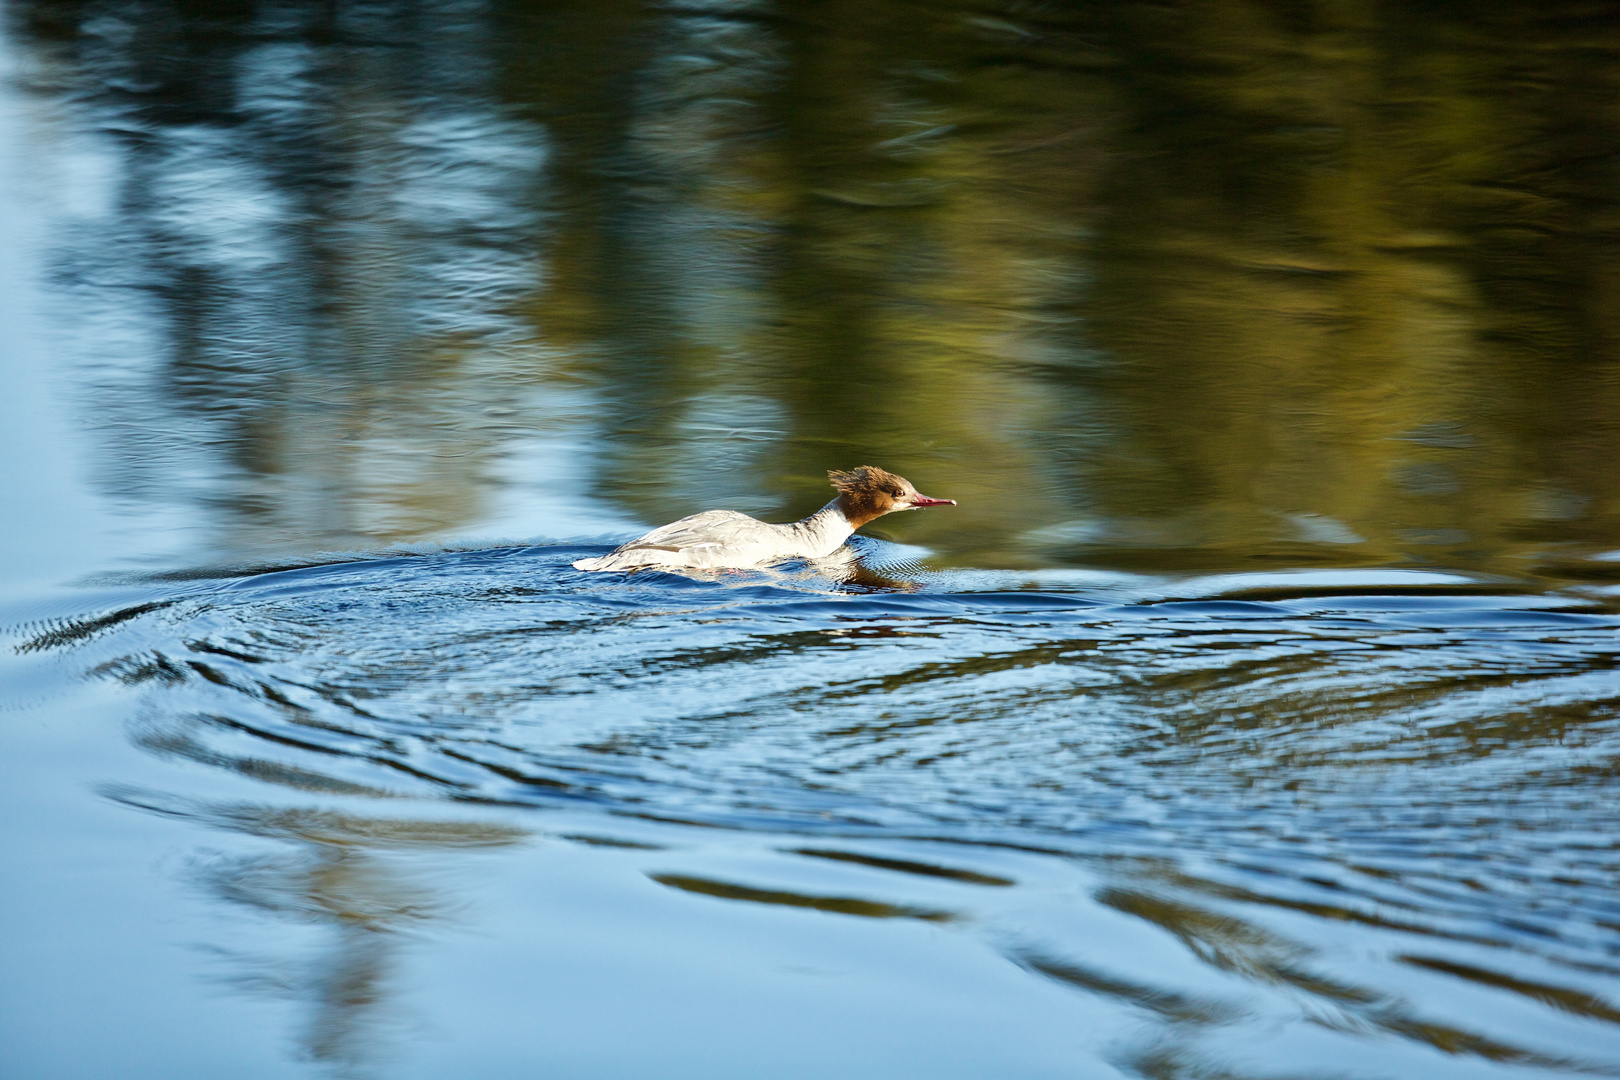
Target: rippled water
x,y
1269,821
1254,716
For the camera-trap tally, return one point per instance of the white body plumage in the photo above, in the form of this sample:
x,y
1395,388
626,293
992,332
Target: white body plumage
x,y
726,539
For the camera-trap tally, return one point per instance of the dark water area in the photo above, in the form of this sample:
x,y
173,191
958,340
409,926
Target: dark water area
x,y
1254,716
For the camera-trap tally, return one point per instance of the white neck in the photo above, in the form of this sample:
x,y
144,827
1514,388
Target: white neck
x,y
823,532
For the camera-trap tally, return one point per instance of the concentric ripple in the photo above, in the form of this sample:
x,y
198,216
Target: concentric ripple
x,y
1359,818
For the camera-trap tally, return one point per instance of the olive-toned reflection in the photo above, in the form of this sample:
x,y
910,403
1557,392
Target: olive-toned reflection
x,y
1194,288
1351,276
343,876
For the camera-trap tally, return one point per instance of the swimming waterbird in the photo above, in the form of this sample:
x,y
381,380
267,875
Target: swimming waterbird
x,y
726,539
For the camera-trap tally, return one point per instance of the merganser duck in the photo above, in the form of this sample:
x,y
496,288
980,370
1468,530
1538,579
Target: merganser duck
x,y
728,540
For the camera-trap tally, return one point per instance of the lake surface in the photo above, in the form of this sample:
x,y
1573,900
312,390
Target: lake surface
x,y
1255,715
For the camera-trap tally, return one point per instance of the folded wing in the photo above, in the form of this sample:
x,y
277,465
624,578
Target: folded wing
x,y
685,542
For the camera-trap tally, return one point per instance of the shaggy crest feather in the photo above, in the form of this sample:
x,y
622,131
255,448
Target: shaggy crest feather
x,y
866,492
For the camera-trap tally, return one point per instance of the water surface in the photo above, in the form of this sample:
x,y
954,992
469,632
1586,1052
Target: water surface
x,y
1253,716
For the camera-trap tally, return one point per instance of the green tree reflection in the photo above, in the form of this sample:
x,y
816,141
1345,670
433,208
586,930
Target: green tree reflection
x,y
1198,284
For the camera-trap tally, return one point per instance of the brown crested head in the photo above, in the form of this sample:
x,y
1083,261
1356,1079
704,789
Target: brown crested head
x,y
867,492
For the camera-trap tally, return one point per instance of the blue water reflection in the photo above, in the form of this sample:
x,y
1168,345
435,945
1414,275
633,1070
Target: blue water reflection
x,y
1326,797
